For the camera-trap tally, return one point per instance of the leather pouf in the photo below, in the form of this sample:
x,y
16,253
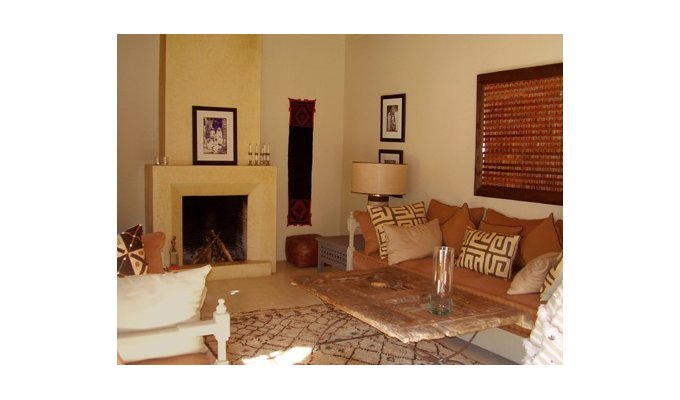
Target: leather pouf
x,y
302,250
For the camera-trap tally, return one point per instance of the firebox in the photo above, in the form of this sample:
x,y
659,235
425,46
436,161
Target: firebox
x,y
214,229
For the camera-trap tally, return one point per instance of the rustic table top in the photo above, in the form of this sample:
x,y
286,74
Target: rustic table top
x,y
396,302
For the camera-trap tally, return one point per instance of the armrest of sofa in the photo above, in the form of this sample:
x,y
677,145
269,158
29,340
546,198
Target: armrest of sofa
x,y
352,226
219,326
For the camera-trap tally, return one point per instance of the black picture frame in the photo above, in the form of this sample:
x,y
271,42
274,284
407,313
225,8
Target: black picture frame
x,y
390,156
214,135
393,118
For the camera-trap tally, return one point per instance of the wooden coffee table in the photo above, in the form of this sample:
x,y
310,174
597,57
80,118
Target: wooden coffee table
x,y
395,302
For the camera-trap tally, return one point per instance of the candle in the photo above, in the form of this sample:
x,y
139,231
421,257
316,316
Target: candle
x,y
250,148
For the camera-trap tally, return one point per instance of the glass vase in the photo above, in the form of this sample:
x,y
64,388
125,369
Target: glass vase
x,y
441,295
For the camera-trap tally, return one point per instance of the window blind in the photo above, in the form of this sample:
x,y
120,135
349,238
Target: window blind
x,y
519,134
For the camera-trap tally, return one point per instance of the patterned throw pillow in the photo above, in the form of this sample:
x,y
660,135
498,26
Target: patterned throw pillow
x,y
408,215
552,281
490,253
131,260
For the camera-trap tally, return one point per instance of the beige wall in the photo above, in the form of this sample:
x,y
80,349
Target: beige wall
x,y
347,76
213,71
308,67
438,73
138,77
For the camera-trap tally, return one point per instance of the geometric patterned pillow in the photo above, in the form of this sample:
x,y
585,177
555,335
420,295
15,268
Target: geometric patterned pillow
x,y
131,260
490,253
552,280
408,215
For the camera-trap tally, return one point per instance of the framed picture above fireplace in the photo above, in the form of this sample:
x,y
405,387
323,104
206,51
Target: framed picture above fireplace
x,y
214,135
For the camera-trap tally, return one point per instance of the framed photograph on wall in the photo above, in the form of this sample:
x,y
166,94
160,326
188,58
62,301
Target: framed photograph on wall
x,y
214,135
390,156
393,118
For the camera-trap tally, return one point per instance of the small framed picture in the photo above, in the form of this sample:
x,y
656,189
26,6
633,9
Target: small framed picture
x,y
393,118
214,135
390,156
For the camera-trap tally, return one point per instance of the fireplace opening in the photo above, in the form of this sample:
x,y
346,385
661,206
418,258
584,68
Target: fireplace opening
x,y
214,229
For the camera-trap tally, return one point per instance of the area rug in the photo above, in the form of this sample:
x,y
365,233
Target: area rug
x,y
323,335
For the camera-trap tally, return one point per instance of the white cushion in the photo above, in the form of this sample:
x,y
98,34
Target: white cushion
x,y
156,301
530,278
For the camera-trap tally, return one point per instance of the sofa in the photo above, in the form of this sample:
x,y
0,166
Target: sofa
x,y
159,312
515,261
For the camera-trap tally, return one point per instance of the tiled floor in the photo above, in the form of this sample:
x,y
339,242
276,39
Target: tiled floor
x,y
275,291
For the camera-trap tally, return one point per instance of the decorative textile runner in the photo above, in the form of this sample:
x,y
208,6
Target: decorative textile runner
x,y
323,335
300,141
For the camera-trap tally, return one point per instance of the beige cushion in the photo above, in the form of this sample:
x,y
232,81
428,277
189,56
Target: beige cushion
x,y
454,229
552,281
530,279
154,301
490,253
131,258
407,215
412,242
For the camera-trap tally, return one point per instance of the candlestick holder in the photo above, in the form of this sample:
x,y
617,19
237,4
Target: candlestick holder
x,y
250,158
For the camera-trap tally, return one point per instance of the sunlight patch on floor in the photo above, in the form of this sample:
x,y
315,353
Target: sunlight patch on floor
x,y
288,357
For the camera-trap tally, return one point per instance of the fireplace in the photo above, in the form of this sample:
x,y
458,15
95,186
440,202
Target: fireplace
x,y
214,229
168,186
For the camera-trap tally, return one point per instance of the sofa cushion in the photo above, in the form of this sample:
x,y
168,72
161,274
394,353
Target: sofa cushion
x,y
507,230
154,301
494,217
444,212
530,279
153,247
412,242
542,239
131,258
552,281
438,210
407,215
560,231
367,230
454,229
490,253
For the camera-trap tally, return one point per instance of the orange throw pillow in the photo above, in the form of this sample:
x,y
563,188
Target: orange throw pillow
x,y
368,230
453,230
508,230
153,246
476,215
542,239
442,212
496,218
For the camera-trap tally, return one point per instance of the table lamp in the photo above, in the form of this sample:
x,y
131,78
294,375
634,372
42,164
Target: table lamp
x,y
379,181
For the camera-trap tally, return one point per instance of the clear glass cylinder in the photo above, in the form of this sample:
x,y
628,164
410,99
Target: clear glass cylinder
x,y
441,296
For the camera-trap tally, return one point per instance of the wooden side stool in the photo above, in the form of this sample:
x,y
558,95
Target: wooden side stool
x,y
302,250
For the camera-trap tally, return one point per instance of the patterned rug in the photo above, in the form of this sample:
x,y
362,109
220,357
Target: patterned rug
x,y
323,335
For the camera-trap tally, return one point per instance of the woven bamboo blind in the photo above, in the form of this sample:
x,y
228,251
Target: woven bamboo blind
x,y
519,134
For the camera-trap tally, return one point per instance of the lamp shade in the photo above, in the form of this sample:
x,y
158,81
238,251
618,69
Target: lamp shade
x,y
379,179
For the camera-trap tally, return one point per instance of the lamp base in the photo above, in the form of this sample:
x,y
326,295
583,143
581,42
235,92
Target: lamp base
x,y
378,200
